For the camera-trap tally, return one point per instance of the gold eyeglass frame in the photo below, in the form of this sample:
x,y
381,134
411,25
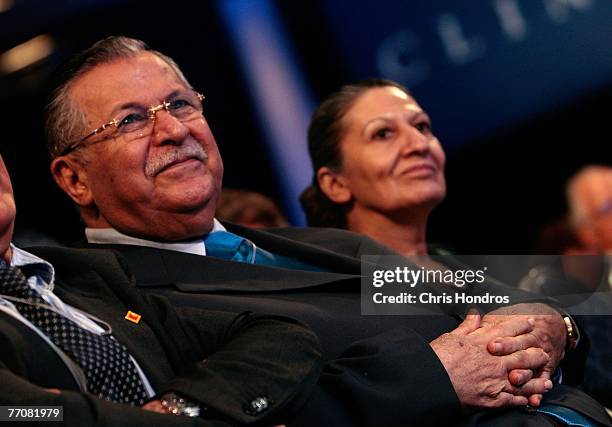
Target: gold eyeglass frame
x,y
152,112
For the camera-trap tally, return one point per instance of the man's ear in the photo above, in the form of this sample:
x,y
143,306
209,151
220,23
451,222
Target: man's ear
x,y
72,178
333,185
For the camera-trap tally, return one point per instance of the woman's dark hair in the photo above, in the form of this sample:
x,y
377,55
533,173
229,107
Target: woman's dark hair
x,y
324,135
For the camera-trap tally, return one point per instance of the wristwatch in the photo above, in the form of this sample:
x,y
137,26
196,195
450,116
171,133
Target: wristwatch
x,y
178,405
572,332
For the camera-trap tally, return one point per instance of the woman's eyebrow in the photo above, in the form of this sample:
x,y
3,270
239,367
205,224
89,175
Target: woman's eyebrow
x,y
382,118
419,114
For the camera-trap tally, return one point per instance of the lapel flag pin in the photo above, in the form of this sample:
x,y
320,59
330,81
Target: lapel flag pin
x,y
133,317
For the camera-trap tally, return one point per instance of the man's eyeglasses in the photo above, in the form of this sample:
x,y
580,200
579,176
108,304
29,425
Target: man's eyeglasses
x,y
183,106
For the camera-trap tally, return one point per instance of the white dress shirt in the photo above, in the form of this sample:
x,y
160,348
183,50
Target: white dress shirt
x,y
111,236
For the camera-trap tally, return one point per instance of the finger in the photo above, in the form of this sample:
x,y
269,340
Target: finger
x,y
544,373
513,327
509,400
535,400
507,345
518,377
490,320
532,387
54,390
532,358
470,324
155,406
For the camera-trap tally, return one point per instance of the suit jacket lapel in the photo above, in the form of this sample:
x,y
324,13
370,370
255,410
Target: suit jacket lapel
x,y
193,273
315,255
110,302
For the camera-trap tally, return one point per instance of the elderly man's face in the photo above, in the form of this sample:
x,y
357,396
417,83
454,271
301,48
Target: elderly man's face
x,y
7,212
595,195
164,183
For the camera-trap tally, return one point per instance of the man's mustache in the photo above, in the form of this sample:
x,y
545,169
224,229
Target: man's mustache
x,y
162,159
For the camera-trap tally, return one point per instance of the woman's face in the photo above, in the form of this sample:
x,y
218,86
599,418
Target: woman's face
x,y
392,162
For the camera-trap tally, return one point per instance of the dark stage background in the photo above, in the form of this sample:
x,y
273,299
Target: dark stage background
x,y
520,93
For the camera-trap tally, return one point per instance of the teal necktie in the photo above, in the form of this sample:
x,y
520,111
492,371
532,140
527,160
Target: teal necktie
x,y
229,246
225,245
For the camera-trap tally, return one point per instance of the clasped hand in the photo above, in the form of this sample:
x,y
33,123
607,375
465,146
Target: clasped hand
x,y
503,359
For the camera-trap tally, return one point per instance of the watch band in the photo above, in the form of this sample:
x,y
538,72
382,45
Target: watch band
x,y
572,332
178,405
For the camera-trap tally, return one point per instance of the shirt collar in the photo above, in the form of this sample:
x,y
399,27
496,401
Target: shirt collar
x,y
31,265
112,236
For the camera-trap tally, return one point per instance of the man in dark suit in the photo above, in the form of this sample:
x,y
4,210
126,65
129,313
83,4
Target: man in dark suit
x,y
225,368
146,181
